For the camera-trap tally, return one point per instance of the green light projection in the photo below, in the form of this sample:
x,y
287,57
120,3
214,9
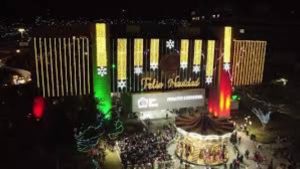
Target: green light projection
x,y
102,90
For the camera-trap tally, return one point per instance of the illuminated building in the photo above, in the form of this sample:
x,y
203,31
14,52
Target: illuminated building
x,y
106,60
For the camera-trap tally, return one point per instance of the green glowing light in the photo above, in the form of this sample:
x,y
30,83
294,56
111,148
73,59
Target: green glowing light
x,y
113,66
235,97
101,83
102,93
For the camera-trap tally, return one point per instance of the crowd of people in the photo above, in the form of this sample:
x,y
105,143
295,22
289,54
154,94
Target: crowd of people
x,y
146,148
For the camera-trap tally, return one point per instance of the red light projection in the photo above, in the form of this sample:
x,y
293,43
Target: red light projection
x,y
38,107
219,101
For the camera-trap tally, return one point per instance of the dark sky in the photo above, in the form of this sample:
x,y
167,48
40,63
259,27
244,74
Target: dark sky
x,y
141,8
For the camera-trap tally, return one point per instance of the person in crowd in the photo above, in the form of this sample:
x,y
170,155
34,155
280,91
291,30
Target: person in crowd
x,y
247,154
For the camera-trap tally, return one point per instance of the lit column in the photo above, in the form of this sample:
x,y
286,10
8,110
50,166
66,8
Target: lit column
x,y
210,61
61,68
197,56
154,53
36,63
42,66
70,65
184,53
227,48
83,55
138,56
51,67
79,65
46,65
263,56
65,67
88,65
121,62
56,68
101,77
74,66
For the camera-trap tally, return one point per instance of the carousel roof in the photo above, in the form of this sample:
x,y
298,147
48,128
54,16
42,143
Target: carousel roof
x,y
204,124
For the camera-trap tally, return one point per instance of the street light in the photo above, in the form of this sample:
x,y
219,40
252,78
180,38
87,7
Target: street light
x,y
21,30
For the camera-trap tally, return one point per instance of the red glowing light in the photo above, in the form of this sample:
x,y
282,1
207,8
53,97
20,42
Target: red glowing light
x,y
38,107
219,101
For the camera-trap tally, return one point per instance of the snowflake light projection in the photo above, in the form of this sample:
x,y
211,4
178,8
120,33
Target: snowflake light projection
x,y
138,70
208,80
183,65
102,71
226,66
122,84
196,69
153,66
170,44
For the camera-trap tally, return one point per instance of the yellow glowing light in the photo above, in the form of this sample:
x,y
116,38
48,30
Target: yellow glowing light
x,y
248,61
184,51
47,65
79,65
56,67
138,52
121,57
88,65
65,66
227,44
227,103
36,63
83,64
197,52
210,58
221,102
70,66
61,68
154,51
101,51
42,66
51,67
74,65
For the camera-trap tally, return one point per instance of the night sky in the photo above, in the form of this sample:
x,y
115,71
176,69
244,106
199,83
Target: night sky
x,y
144,8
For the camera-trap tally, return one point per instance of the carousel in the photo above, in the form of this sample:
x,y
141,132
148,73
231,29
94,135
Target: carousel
x,y
203,139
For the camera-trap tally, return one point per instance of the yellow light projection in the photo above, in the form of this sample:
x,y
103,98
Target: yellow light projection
x,y
184,53
248,62
138,52
121,57
227,44
197,52
101,52
154,53
210,58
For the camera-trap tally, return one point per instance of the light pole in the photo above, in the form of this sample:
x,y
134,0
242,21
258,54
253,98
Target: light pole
x,y
21,30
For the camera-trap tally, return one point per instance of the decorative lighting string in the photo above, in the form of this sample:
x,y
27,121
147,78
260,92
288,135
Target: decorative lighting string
x,y
84,142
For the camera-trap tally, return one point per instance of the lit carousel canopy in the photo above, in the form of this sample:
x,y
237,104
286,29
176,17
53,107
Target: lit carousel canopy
x,y
203,126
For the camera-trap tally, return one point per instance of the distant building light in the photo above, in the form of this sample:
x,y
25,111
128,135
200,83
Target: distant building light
x,y
214,16
203,17
242,31
18,51
218,15
21,30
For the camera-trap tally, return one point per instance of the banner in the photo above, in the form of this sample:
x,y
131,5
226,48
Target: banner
x,y
167,100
